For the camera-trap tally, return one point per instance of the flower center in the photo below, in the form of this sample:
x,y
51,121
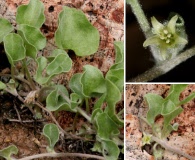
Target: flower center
x,y
166,36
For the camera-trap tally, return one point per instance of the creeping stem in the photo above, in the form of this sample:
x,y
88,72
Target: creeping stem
x,y
141,18
164,67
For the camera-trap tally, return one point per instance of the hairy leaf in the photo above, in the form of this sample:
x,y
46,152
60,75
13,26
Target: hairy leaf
x,y
116,72
75,84
155,103
62,63
107,128
51,132
8,151
175,92
93,82
31,14
55,65
113,96
85,40
42,63
14,48
33,39
5,28
110,150
58,100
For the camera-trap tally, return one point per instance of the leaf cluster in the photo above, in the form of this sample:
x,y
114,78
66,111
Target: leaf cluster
x,y
22,45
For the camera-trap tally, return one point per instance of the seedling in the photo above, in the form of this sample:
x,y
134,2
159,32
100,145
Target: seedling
x,y
169,108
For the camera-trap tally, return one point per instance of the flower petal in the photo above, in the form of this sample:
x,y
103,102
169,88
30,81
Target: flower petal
x,y
154,40
180,40
172,23
157,26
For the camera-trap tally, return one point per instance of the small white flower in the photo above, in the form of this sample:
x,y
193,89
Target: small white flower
x,y
165,36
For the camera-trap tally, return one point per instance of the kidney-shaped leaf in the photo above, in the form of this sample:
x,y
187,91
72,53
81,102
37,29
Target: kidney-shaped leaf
x,y
112,97
62,63
8,151
174,92
14,48
107,128
32,38
92,81
119,50
58,100
116,71
75,84
31,14
110,150
55,65
51,132
75,32
155,103
5,28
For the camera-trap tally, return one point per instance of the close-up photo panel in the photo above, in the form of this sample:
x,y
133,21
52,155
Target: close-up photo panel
x,y
62,79
160,40
159,87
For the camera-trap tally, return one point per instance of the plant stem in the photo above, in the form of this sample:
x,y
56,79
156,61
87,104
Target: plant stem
x,y
13,72
55,155
141,18
164,67
83,113
75,121
87,105
32,85
173,149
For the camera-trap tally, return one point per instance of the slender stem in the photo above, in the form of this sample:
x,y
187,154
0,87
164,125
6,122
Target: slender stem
x,y
32,85
16,77
52,117
13,72
141,18
164,67
20,98
55,155
87,105
83,113
173,149
75,121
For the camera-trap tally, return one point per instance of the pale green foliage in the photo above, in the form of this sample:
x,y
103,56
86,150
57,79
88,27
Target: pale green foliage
x,y
51,132
5,28
92,81
14,48
73,21
8,151
31,14
168,107
33,39
53,65
76,33
116,72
